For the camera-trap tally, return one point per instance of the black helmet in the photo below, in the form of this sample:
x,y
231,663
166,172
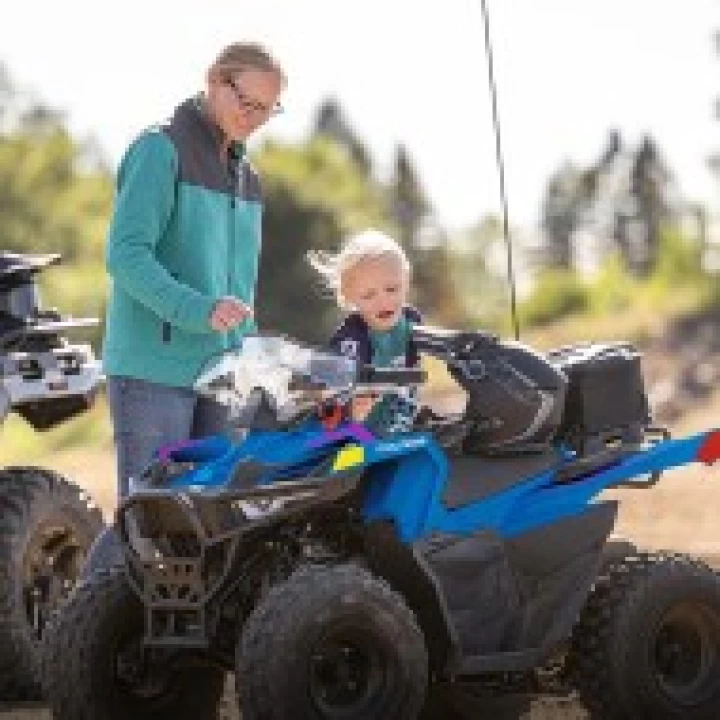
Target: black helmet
x,y
515,396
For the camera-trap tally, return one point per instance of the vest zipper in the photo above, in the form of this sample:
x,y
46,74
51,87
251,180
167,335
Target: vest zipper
x,y
166,326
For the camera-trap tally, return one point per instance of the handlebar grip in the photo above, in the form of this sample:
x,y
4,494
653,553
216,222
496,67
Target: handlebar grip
x,y
369,375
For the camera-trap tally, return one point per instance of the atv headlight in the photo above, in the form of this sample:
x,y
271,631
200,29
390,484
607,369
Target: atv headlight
x,y
261,507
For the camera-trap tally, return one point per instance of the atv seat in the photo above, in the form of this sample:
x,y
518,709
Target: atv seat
x,y
477,477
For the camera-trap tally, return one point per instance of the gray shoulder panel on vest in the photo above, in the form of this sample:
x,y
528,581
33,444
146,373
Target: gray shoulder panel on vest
x,y
252,190
200,164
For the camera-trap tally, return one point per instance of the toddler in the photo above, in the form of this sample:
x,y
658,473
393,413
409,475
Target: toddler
x,y
370,278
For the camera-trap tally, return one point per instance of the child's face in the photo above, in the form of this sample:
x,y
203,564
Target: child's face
x,y
378,288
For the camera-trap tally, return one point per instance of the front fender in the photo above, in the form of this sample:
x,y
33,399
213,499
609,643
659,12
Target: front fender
x,y
406,478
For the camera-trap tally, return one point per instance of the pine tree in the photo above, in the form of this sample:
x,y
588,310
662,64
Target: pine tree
x,y
330,122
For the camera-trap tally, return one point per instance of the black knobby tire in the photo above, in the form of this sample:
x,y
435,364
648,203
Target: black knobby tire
x,y
47,525
332,642
92,666
647,643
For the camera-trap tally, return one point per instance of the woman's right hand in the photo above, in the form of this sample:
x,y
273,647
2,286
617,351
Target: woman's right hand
x,y
229,312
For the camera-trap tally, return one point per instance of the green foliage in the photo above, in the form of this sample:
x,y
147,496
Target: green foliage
x,y
557,293
47,203
315,194
77,290
320,175
19,441
612,289
679,261
676,282
626,194
484,297
54,198
330,122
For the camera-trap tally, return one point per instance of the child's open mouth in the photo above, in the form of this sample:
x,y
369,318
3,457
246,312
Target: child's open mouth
x,y
385,314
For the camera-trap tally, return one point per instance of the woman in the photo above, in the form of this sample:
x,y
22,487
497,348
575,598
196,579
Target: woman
x,y
183,250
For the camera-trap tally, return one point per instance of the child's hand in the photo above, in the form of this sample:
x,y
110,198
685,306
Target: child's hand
x,y
361,406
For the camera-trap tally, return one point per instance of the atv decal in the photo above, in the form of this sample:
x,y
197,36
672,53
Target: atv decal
x,y
348,457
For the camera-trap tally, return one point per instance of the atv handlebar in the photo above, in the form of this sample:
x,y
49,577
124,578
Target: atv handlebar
x,y
369,375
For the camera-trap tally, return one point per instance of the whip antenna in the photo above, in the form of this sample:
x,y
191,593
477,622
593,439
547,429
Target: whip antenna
x,y
501,167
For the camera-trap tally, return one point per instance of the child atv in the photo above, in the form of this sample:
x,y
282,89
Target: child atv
x,y
342,575
46,523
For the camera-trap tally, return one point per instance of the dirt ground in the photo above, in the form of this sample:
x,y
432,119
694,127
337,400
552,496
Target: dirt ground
x,y
543,709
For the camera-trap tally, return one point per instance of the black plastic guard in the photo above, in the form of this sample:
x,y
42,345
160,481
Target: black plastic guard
x,y
183,549
480,590
508,604
554,568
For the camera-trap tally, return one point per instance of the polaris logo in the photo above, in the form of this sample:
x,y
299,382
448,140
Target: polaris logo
x,y
400,445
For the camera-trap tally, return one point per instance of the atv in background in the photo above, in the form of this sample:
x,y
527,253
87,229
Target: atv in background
x,y
341,574
47,524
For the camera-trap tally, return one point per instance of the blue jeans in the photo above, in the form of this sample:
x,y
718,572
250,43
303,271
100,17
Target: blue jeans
x,y
147,415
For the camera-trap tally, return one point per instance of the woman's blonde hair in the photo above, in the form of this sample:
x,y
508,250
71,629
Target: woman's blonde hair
x,y
366,245
240,56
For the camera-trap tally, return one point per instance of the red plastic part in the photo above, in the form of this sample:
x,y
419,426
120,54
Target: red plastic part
x,y
331,417
710,449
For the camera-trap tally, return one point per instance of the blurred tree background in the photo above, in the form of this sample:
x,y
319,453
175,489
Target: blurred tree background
x,y
613,251
56,196
612,235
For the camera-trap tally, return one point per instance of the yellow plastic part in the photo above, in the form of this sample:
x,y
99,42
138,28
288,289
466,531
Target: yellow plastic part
x,y
349,457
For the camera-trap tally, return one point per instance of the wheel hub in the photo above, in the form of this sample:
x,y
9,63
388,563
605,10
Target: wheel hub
x,y
52,563
685,654
344,674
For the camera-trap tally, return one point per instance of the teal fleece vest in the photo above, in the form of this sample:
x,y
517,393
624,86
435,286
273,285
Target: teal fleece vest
x,y
185,232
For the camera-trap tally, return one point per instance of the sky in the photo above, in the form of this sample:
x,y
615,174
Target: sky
x,y
410,71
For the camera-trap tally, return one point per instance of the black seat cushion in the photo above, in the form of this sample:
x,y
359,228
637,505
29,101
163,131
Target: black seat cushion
x,y
473,478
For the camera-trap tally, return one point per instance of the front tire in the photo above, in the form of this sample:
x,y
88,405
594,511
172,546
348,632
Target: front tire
x,y
47,525
647,644
332,643
94,668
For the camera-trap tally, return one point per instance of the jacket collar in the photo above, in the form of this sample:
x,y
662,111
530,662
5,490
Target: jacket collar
x,y
191,113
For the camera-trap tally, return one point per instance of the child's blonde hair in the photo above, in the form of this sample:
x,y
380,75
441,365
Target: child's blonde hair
x,y
366,245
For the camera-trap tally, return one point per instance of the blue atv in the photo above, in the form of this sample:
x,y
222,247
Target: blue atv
x,y
345,575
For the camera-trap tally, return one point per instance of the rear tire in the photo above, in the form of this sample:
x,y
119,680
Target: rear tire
x,y
93,668
647,644
332,643
46,527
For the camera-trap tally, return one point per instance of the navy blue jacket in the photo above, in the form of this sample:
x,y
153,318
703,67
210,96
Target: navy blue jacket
x,y
352,338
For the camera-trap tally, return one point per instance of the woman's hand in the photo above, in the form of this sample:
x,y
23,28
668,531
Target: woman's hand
x,y
361,406
229,312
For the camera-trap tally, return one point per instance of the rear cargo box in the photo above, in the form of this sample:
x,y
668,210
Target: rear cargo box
x,y
606,400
